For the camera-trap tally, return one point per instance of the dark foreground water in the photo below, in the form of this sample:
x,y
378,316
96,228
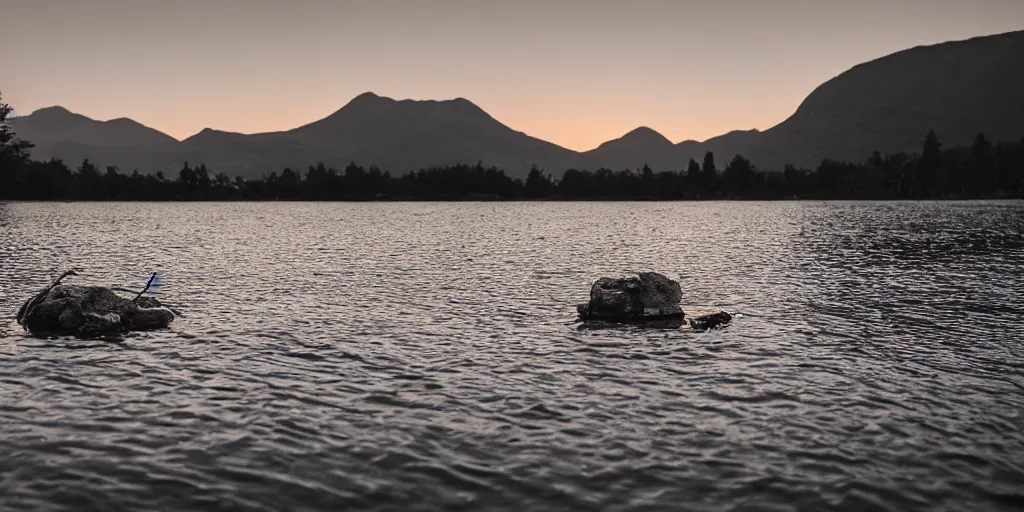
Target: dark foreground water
x,y
425,357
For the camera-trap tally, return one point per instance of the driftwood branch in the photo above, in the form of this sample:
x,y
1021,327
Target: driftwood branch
x,y
26,308
162,303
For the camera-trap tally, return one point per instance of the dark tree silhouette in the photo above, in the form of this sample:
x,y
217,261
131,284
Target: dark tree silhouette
x,y
12,149
14,153
709,164
930,165
693,171
538,184
709,173
981,170
981,164
739,176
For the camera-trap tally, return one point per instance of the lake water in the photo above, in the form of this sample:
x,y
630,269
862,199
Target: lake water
x,y
426,357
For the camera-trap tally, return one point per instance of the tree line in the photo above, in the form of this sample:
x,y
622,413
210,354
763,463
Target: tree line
x,y
982,170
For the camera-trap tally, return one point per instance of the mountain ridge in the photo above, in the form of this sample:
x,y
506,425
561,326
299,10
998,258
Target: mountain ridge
x,y
957,88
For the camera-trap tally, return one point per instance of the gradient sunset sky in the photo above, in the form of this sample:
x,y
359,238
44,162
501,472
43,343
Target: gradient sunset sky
x,y
576,73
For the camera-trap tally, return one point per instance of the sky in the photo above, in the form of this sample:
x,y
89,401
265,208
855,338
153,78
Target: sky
x,y
573,72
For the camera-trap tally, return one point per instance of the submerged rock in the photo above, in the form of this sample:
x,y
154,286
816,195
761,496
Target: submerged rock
x,y
90,311
648,296
709,319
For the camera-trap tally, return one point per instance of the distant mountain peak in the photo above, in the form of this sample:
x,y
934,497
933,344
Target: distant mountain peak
x,y
55,113
642,136
373,99
645,134
365,101
56,125
208,135
125,121
205,132
54,110
460,101
368,97
369,111
55,117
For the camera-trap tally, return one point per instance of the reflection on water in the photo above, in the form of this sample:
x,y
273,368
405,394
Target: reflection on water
x,y
425,356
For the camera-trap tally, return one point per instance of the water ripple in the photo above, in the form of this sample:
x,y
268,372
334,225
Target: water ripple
x,y
425,357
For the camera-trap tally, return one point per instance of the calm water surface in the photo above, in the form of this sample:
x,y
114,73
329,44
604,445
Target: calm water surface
x,y
426,357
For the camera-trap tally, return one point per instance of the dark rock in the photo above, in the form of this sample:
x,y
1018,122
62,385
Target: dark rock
x,y
96,324
148,319
709,319
646,297
71,314
91,311
148,302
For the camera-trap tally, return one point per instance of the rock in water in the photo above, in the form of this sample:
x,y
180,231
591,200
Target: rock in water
x,y
710,319
649,296
90,311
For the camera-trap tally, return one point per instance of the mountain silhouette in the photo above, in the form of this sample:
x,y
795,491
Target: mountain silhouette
x,y
641,138
397,136
723,146
54,125
957,89
642,146
408,135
